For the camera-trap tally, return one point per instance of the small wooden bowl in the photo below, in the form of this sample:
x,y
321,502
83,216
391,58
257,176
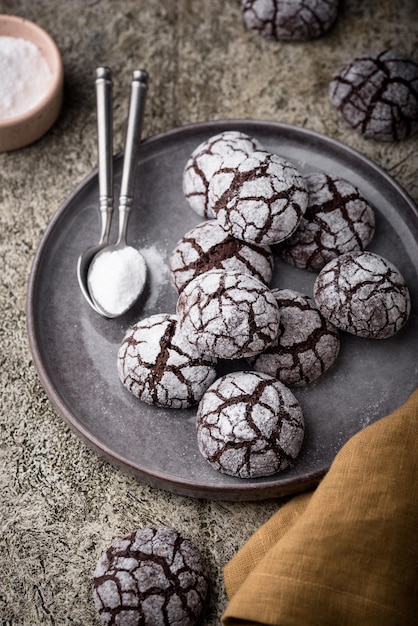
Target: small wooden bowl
x,y
24,129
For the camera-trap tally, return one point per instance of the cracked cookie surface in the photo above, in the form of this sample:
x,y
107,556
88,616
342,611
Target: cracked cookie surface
x,y
338,220
307,343
206,159
377,95
207,246
249,425
262,200
152,576
229,315
364,294
158,366
292,20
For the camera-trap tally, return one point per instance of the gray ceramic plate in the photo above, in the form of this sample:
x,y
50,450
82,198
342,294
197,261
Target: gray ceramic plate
x,y
75,350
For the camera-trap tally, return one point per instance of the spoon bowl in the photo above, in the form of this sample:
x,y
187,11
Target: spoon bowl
x,y
83,265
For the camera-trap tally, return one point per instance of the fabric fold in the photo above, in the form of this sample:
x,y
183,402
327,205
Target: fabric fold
x,y
347,553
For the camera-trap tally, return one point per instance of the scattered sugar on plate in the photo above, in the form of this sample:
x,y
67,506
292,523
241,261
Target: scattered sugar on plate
x,y
158,271
25,76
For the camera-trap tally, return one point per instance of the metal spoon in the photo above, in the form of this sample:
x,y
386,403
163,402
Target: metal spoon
x,y
130,262
105,154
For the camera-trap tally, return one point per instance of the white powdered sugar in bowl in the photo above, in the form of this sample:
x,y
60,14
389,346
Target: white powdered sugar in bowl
x,y
25,76
31,82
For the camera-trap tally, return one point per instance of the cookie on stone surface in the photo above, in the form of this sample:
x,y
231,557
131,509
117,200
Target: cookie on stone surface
x,y
292,20
229,315
206,159
261,200
364,294
152,576
249,425
158,366
338,220
307,343
377,95
207,246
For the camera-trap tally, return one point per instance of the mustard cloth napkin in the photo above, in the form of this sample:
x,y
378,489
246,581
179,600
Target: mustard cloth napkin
x,y
346,554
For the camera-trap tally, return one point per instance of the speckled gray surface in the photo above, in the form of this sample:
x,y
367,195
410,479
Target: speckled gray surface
x,y
60,504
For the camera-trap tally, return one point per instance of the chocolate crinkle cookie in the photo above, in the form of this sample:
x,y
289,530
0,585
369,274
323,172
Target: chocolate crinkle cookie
x,y
228,315
160,367
377,95
292,20
207,246
262,200
249,425
307,343
364,294
152,577
206,159
338,220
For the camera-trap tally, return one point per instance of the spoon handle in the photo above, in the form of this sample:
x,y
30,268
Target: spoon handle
x,y
105,148
133,138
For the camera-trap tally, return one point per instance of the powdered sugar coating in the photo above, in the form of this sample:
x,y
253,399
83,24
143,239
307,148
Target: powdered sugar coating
x,y
159,366
207,246
152,576
307,344
228,314
260,200
249,425
206,159
363,294
338,220
377,95
294,20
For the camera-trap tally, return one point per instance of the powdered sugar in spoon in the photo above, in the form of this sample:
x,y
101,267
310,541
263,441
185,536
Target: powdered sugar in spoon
x,y
117,274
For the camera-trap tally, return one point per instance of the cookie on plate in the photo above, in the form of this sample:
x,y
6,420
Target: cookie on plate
x,y
338,220
160,367
307,344
260,200
290,20
207,246
364,294
152,576
249,425
229,315
377,95
206,159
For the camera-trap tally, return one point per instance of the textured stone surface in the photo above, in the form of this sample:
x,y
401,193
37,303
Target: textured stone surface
x,y
60,504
